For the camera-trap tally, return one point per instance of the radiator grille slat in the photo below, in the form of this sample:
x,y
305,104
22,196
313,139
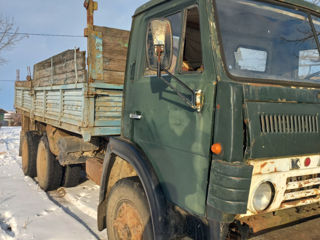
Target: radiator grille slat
x,y
301,194
288,123
304,183
302,188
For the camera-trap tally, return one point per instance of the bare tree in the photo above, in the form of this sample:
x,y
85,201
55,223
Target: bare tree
x,y
9,35
317,2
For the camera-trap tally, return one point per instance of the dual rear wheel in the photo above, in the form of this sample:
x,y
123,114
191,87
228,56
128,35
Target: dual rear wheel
x,y
49,171
29,148
127,208
37,160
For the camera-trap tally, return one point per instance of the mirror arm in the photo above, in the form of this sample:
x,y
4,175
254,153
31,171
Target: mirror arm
x,y
159,69
159,51
196,96
181,83
191,103
186,100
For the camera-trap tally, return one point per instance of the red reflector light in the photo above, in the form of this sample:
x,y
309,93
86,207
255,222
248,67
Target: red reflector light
x,y
307,162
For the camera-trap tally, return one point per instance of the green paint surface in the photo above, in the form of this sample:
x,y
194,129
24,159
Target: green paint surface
x,y
177,139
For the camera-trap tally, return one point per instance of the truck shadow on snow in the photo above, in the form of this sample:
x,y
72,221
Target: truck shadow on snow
x,y
68,211
73,215
6,227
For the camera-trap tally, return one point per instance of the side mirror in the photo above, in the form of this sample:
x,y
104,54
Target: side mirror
x,y
159,44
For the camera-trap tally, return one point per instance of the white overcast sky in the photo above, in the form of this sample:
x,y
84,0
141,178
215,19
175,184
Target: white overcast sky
x,y
53,17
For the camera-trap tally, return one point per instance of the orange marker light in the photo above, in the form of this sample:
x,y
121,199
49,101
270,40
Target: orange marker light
x,y
216,148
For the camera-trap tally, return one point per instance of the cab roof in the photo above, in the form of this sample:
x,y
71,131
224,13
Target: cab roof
x,y
149,5
299,3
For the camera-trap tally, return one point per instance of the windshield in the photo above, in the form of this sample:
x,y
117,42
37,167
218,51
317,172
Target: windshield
x,y
267,41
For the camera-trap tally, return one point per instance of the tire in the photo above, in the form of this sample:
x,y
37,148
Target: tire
x,y
71,175
20,143
127,196
29,148
49,171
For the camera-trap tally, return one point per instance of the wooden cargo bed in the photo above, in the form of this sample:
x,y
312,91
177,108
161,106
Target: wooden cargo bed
x,y
64,94
70,108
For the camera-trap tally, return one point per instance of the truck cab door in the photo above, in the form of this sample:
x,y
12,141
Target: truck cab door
x,y
175,137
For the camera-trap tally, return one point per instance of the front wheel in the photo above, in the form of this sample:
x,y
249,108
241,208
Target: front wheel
x,y
128,215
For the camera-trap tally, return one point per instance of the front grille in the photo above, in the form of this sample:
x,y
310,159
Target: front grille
x,y
285,123
302,188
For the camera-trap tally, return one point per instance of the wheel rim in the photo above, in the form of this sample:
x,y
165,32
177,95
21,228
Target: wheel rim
x,y
128,223
25,157
42,164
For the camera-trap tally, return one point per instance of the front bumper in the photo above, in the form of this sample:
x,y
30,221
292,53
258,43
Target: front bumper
x,y
232,185
294,183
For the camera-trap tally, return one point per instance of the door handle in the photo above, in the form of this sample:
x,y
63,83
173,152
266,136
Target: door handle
x,y
135,115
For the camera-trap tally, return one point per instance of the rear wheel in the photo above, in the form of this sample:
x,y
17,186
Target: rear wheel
x,y
29,148
71,176
49,171
21,142
128,215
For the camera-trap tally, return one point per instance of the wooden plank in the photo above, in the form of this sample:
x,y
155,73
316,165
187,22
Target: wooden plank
x,y
26,84
59,59
113,77
119,43
115,53
58,76
63,69
115,46
60,79
114,64
68,66
112,31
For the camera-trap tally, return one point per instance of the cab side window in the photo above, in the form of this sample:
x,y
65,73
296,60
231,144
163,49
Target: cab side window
x,y
176,25
192,54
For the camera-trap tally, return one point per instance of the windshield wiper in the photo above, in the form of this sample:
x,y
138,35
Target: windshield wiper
x,y
314,33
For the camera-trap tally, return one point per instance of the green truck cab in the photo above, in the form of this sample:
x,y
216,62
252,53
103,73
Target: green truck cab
x,y
219,134
257,66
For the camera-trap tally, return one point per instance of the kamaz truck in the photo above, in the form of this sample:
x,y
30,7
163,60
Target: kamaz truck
x,y
201,122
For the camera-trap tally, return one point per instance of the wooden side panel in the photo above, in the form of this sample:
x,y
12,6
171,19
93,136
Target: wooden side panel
x,y
65,68
68,107
114,48
18,98
23,99
73,103
108,107
53,104
62,105
27,102
39,103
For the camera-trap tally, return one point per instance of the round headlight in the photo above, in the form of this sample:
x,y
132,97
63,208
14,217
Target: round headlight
x,y
263,196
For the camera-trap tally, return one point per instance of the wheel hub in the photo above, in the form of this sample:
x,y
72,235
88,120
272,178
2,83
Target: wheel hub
x,y
128,223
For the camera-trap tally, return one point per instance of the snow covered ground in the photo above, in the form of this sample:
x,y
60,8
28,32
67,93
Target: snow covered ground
x,y
26,212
